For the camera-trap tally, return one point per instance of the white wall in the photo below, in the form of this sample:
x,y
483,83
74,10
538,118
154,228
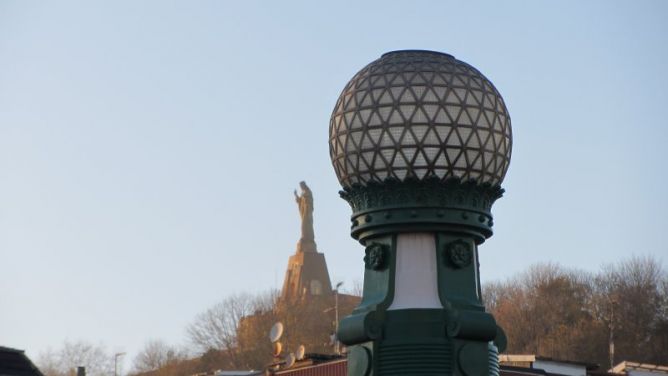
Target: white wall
x,y
415,283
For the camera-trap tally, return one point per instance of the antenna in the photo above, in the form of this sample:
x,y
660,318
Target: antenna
x,y
301,351
290,360
277,349
276,332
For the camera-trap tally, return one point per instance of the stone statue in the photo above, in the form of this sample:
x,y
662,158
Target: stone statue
x,y
305,203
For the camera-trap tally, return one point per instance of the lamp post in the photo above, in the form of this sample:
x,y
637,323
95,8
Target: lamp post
x,y
420,143
337,346
334,338
116,356
611,340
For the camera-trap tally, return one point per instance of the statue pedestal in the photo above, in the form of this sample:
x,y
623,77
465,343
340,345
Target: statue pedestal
x,y
306,275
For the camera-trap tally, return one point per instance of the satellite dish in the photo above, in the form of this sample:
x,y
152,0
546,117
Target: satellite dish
x,y
301,351
290,360
278,348
276,332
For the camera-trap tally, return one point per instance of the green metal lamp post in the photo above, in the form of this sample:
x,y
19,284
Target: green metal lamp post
x,y
421,142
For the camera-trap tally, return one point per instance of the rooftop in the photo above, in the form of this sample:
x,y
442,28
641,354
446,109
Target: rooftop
x,y
623,367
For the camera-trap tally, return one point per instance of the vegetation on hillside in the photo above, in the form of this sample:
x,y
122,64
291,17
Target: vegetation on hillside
x,y
548,310
570,314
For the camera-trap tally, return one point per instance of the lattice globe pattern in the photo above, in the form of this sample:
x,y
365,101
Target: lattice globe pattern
x,y
419,114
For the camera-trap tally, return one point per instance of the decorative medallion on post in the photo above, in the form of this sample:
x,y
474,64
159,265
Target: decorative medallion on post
x,y
376,256
421,142
459,253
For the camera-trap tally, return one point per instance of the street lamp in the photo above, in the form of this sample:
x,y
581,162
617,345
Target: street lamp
x,y
337,347
335,339
116,356
611,340
420,143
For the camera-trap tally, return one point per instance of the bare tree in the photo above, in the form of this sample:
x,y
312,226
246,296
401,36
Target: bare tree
x,y
234,333
157,354
64,361
632,303
217,328
570,314
551,304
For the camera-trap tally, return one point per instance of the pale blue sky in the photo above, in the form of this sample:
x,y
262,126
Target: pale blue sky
x,y
148,150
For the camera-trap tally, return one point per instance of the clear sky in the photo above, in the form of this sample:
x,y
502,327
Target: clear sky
x,y
149,149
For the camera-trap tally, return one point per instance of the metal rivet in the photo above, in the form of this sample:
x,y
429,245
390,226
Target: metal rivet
x,y
481,218
414,213
465,215
388,215
368,218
